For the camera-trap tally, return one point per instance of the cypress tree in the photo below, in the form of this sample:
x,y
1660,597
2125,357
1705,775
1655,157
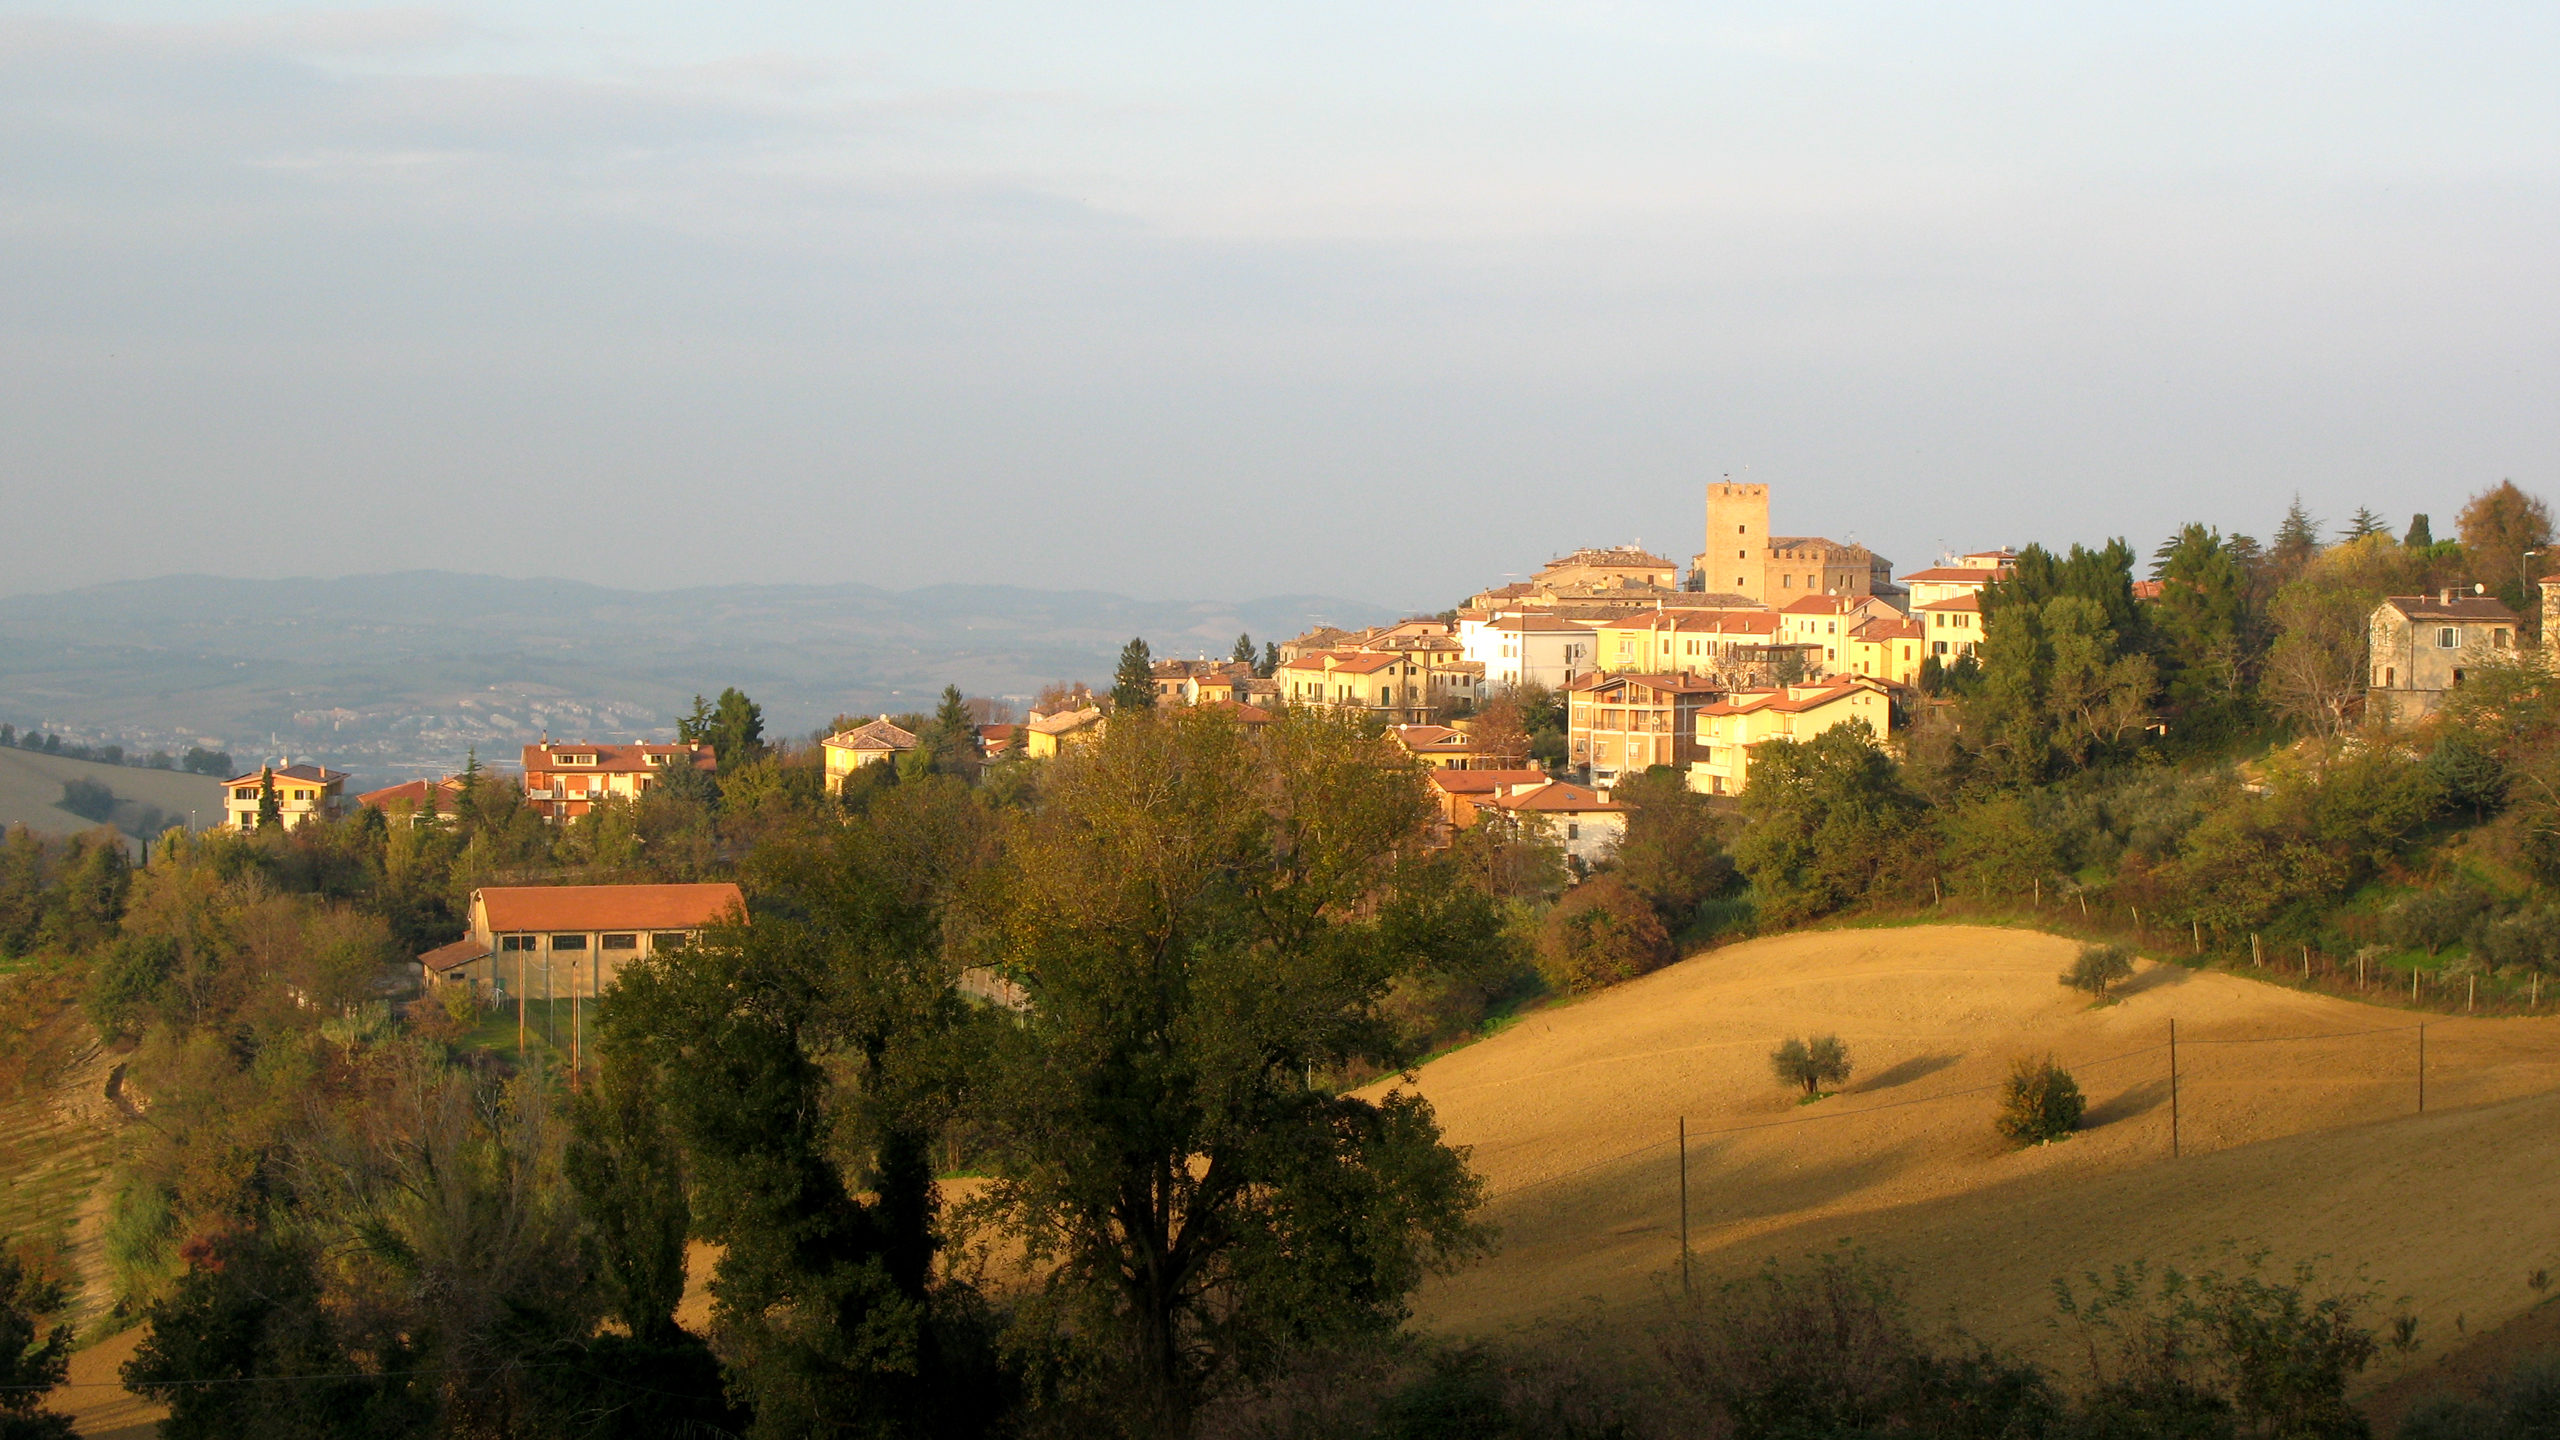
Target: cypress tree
x,y
270,814
1243,654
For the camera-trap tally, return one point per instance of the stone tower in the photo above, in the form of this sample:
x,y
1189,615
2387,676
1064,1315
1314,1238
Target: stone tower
x,y
1736,558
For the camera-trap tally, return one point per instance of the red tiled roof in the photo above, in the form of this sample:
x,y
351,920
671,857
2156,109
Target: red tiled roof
x,y
1968,601
513,908
1679,684
1780,700
1238,711
1818,605
412,793
873,735
613,759
1483,782
1880,629
1952,573
1556,795
2461,607
448,957
1352,662
1535,622
1414,736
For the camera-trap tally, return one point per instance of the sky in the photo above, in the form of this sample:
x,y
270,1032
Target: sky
x,y
1390,301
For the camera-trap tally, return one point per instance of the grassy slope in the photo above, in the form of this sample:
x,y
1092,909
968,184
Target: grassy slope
x,y
2310,1148
31,791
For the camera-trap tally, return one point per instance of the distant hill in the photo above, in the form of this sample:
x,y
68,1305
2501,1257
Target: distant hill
x,y
391,676
31,795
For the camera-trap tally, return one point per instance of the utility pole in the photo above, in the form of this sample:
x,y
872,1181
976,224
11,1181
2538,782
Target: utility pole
x,y
2173,1088
1684,1205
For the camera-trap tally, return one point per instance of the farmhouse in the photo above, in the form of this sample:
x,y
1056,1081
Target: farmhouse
x,y
2419,646
569,941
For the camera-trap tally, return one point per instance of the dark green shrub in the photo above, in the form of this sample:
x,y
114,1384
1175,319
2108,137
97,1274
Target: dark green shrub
x,y
2041,1103
2530,938
2432,919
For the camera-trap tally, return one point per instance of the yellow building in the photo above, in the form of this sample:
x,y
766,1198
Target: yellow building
x,y
1684,642
1888,649
878,742
302,792
1729,729
1044,736
1823,624
1952,627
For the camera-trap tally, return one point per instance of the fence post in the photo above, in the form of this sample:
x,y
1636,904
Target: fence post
x,y
2257,953
1684,1204
1935,899
2306,962
2195,933
2039,901
2471,995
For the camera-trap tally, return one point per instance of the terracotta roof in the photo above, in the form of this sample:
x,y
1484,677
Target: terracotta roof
x,y
1064,721
1952,574
1556,795
613,759
873,735
1440,736
1878,630
1681,684
992,734
412,793
448,957
2460,607
1339,662
1237,710
1968,601
307,774
513,908
1786,703
2146,589
1483,782
1818,605
1535,622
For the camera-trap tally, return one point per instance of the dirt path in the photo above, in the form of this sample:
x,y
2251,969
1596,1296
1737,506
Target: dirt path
x,y
2296,1119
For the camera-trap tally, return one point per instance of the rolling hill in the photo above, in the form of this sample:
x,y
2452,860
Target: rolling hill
x,y
31,794
2297,1115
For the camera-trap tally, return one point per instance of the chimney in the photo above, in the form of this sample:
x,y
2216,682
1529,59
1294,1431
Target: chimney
x,y
2444,597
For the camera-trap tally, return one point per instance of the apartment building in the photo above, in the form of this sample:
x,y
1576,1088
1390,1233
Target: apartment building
x,y
302,792
1621,724
564,779
1528,648
1729,729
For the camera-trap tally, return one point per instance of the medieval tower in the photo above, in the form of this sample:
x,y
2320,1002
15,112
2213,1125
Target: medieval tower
x,y
1736,558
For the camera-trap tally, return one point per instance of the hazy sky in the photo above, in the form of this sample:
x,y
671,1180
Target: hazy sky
x,y
1382,300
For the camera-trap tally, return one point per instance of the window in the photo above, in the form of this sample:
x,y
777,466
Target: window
x,y
250,795
620,942
2390,676
2448,637
515,942
2498,639
667,939
1573,832
568,942
1786,582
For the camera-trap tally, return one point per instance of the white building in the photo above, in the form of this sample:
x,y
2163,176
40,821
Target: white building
x,y
1528,649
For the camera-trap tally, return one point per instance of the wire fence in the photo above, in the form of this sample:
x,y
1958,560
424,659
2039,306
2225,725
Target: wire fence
x,y
2176,1054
